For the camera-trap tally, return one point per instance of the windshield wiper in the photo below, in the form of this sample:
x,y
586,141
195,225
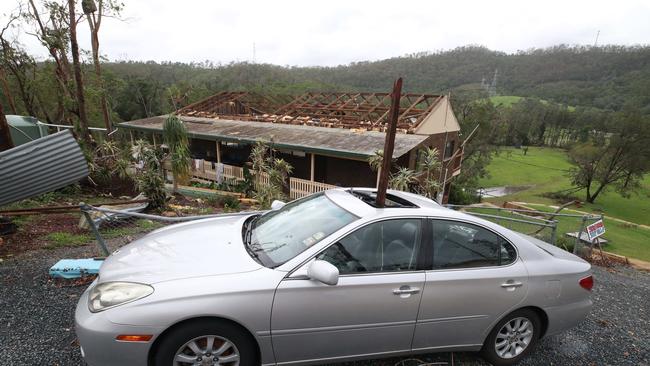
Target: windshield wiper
x,y
247,229
249,224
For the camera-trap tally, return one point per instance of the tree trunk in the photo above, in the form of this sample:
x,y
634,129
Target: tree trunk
x,y
94,38
588,198
598,191
62,69
81,100
6,142
7,91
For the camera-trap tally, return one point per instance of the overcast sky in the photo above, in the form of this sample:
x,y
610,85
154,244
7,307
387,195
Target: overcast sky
x,y
333,32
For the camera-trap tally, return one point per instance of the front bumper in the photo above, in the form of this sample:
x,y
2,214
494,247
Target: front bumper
x,y
96,335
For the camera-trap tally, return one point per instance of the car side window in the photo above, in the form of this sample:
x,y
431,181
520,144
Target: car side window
x,y
463,245
384,246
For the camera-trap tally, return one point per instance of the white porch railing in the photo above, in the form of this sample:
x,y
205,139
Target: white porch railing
x,y
297,187
301,187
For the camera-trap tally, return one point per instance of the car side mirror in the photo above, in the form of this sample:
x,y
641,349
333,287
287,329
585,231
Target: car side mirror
x,y
324,272
277,204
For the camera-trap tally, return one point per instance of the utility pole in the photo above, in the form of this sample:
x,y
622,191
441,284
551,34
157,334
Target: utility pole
x,y
6,142
389,144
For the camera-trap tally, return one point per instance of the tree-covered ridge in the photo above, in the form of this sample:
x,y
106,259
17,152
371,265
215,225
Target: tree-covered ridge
x,y
608,77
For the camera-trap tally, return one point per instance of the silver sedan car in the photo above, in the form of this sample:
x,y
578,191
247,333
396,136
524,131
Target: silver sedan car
x,y
329,278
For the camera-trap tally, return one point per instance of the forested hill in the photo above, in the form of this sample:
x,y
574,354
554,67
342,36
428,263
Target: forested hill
x,y
608,77
604,77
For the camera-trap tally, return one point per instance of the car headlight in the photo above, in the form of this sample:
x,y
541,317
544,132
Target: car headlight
x,y
110,294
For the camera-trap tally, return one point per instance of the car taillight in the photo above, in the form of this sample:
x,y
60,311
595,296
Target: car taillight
x,y
587,283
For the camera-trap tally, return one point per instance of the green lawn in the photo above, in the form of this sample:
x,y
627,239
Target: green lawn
x,y
543,169
624,239
508,100
505,100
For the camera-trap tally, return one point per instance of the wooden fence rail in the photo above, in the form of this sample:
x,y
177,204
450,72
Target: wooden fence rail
x,y
207,170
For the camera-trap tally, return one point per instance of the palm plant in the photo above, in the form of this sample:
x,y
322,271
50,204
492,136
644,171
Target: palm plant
x,y
107,160
401,179
148,175
376,160
430,165
277,169
175,137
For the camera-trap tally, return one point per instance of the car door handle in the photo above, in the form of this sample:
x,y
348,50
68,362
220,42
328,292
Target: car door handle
x,y
406,290
511,284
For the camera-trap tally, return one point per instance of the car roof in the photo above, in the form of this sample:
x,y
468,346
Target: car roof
x,y
348,199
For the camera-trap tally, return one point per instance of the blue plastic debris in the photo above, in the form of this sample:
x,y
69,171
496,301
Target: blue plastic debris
x,y
75,268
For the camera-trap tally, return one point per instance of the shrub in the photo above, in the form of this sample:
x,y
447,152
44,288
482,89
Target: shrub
x,y
149,176
230,203
463,196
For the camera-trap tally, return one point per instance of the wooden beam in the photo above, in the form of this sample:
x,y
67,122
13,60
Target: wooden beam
x,y
218,151
380,104
311,173
378,176
389,144
413,104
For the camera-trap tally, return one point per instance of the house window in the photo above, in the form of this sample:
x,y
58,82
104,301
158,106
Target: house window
x,y
449,149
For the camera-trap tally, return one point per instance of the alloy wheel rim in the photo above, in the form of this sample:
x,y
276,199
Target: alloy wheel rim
x,y
207,350
514,337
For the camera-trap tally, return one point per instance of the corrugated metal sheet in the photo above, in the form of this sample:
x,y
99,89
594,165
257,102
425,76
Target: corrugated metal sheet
x,y
40,166
323,140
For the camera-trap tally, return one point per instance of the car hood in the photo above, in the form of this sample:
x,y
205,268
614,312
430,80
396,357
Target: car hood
x,y
198,248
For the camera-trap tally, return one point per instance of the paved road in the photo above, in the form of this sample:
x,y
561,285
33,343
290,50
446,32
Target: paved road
x,y
36,320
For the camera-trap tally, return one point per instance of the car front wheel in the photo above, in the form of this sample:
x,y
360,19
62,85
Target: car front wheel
x,y
512,338
206,342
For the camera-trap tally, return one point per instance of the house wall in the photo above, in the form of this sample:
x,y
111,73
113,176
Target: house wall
x,y
343,172
442,119
301,164
327,169
203,149
439,141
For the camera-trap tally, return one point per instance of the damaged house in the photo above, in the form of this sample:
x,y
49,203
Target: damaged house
x,y
326,137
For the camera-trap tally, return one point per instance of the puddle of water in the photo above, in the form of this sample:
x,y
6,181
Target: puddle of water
x,y
501,191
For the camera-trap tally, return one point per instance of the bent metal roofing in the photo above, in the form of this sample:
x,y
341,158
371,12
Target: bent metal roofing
x,y
349,143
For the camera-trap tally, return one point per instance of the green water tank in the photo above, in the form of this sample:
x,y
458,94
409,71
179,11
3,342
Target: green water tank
x,y
25,129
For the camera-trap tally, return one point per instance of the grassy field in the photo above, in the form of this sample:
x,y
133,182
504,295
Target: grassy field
x,y
544,171
505,100
508,100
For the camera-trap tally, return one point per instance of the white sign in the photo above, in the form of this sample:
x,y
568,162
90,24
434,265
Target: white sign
x,y
595,230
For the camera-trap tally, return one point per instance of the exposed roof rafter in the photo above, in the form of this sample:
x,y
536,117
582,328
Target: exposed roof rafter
x,y
358,110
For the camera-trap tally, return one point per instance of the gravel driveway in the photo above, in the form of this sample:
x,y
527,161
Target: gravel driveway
x,y
36,320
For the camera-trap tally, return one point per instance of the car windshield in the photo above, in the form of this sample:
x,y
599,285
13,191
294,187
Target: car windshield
x,y
279,235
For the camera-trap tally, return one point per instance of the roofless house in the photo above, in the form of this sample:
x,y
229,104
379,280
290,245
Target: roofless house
x,y
326,137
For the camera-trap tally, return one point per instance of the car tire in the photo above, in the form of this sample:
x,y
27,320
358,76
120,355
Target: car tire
x,y
513,345
177,344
